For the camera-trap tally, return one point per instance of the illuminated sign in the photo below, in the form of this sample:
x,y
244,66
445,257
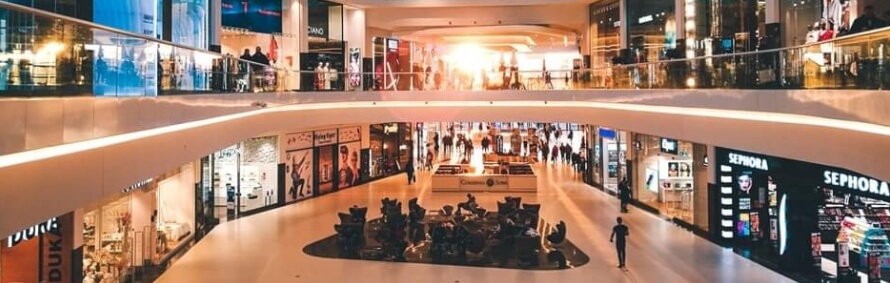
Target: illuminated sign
x,y
316,31
748,161
137,185
669,146
32,232
646,19
854,182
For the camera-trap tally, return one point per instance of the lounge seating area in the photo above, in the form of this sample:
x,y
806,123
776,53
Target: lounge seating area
x,y
462,234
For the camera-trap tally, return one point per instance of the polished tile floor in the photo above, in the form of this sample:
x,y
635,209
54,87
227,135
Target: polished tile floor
x,y
268,247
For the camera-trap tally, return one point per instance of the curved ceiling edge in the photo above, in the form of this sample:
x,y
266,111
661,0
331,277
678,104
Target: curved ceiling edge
x,y
51,181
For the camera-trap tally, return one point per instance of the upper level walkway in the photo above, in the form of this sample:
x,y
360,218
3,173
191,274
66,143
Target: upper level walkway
x,y
131,110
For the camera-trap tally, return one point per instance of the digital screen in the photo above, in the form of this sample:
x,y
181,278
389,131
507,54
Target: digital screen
x,y
263,16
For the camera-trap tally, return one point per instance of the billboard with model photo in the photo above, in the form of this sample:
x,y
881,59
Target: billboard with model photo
x,y
349,160
298,179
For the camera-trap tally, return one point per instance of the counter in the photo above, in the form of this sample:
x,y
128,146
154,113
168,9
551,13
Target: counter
x,y
519,177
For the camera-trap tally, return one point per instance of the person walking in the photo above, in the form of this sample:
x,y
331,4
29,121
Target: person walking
x,y
619,237
624,194
409,171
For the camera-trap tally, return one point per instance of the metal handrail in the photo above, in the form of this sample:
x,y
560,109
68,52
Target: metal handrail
x,y
29,10
757,52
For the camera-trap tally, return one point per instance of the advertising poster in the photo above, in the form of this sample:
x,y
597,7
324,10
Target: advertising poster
x,y
298,175
816,248
355,68
676,169
325,169
348,163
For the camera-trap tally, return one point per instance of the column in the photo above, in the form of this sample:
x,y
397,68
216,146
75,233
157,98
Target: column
x,y
215,25
622,29
773,25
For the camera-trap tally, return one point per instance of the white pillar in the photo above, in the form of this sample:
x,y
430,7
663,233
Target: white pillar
x,y
215,24
680,18
772,11
304,26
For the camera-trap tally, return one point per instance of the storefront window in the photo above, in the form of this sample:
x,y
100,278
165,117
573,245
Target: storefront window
x,y
246,176
108,242
145,228
800,215
664,176
324,63
385,160
605,33
651,29
613,146
190,23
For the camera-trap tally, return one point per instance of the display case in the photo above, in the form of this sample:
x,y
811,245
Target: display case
x,y
864,238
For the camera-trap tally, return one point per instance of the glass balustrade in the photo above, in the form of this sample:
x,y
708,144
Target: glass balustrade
x,y
44,54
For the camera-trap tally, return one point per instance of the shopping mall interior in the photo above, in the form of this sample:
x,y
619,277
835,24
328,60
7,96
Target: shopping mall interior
x,y
444,141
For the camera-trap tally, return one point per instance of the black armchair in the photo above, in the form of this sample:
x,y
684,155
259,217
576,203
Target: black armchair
x,y
412,204
359,214
531,207
446,210
558,236
527,249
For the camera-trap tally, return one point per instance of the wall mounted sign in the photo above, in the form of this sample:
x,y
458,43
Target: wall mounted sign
x,y
316,31
138,185
296,141
855,183
669,146
350,134
326,137
32,232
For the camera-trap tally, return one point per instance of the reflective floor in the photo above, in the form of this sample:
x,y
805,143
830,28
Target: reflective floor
x,y
268,247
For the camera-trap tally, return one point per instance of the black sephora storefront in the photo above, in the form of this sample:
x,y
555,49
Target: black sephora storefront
x,y
809,221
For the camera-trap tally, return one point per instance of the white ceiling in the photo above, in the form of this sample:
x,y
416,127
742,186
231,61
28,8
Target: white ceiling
x,y
550,28
519,38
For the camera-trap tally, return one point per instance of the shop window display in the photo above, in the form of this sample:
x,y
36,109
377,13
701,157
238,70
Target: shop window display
x,y
108,242
246,174
143,229
613,146
801,215
664,175
384,153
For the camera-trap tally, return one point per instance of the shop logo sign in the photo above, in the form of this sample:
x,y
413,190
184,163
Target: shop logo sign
x,y
316,31
326,137
669,146
137,185
748,161
853,182
34,231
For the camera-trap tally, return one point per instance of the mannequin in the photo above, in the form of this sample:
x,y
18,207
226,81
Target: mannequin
x,y
319,76
327,76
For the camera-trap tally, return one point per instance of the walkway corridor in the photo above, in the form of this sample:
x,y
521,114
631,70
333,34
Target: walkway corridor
x,y
268,247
